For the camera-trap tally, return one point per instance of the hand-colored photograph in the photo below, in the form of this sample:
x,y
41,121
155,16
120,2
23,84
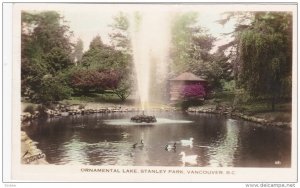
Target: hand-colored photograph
x,y
157,85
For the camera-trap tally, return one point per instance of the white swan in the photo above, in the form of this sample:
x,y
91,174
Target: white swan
x,y
187,142
191,159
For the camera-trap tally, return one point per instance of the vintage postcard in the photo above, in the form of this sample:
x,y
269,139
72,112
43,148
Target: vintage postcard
x,y
156,92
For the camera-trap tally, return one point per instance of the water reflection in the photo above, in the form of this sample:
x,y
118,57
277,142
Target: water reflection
x,y
218,141
222,152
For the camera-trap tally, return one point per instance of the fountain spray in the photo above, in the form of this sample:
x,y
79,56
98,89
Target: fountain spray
x,y
150,39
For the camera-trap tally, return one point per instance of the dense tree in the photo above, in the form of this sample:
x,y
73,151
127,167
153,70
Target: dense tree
x,y
57,60
263,46
102,56
266,48
217,70
44,31
52,89
105,69
46,49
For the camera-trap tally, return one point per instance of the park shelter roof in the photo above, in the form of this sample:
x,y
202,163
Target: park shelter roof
x,y
188,76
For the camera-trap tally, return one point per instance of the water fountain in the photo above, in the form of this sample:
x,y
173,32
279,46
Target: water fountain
x,y
150,38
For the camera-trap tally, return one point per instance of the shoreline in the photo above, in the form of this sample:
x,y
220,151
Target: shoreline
x,y
238,115
30,154
91,108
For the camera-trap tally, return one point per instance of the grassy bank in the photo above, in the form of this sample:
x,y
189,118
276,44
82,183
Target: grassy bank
x,y
263,110
256,108
107,97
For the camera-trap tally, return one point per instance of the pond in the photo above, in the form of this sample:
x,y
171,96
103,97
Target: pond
x,y
108,139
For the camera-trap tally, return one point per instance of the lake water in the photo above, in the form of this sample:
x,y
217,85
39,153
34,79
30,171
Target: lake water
x,y
107,139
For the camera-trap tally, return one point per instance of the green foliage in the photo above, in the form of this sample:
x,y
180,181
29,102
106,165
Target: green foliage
x,y
96,43
47,73
218,69
261,53
124,88
31,75
57,60
114,59
52,89
224,98
44,32
228,85
101,56
107,97
267,56
45,53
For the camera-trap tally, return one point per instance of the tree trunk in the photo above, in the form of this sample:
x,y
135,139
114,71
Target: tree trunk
x,y
273,103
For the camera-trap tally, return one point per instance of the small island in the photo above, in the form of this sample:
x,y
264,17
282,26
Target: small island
x,y
143,119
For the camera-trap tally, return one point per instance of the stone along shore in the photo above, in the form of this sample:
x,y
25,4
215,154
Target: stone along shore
x,y
228,112
30,154
65,110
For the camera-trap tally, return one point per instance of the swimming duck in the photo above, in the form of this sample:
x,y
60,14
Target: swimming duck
x,y
138,145
169,147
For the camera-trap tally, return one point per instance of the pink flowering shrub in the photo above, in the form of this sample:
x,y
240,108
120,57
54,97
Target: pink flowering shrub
x,y
192,91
